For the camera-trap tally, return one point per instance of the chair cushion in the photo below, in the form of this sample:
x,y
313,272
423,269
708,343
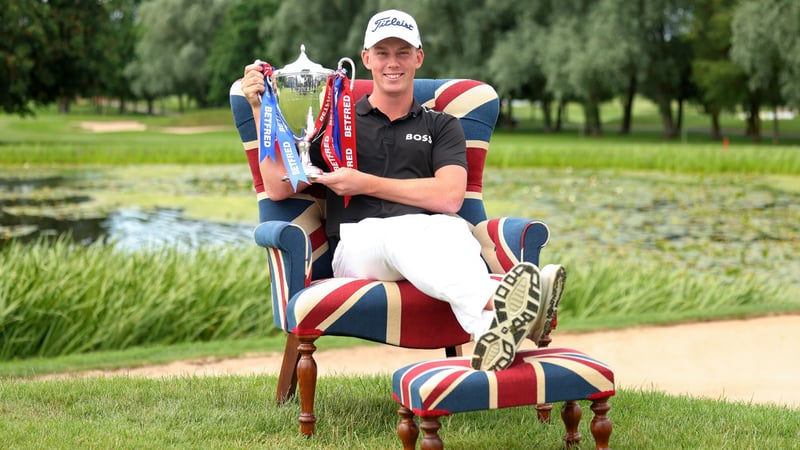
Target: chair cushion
x,y
394,313
450,385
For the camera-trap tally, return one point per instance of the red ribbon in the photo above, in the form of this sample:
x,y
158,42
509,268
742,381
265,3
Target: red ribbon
x,y
339,139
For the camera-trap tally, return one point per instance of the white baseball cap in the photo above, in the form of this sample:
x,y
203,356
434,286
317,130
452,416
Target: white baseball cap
x,y
392,23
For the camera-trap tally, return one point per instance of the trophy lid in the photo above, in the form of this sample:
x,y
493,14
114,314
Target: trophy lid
x,y
303,64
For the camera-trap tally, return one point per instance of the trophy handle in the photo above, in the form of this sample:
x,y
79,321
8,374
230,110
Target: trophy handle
x,y
352,71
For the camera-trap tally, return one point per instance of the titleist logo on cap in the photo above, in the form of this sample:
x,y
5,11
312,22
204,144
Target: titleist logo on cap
x,y
391,21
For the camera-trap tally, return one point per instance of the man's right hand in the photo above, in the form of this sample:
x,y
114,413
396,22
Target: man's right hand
x,y
253,83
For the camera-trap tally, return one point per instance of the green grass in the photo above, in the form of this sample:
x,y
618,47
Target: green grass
x,y
352,412
57,139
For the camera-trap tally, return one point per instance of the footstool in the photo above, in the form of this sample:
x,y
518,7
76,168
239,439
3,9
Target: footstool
x,y
431,389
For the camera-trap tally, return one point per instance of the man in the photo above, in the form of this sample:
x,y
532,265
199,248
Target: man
x,y
401,220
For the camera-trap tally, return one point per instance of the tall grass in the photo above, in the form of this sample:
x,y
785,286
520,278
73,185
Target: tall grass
x,y
618,293
59,298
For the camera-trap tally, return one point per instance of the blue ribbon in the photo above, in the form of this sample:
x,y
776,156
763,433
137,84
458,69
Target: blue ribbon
x,y
276,131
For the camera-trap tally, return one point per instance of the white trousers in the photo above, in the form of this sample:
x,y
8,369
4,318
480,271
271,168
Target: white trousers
x,y
436,253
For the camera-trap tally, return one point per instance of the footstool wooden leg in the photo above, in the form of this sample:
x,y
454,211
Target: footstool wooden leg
x,y
571,415
601,425
407,429
431,440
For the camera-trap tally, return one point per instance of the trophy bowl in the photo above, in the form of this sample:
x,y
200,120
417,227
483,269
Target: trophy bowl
x,y
299,88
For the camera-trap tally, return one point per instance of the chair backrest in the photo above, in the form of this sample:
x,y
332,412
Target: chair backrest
x,y
474,103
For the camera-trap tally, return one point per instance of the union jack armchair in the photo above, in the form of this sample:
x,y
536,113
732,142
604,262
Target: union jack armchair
x,y
308,302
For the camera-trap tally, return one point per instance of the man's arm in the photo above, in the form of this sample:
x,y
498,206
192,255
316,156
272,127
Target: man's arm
x,y
272,171
442,193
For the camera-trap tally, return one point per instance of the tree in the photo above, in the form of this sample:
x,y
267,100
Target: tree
x,y
118,46
667,76
514,67
330,30
755,51
52,51
722,84
238,43
24,54
174,44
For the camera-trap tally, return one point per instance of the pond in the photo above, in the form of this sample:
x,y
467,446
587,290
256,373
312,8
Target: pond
x,y
729,224
32,208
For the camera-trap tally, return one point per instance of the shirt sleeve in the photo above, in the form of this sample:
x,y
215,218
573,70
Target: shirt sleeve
x,y
449,144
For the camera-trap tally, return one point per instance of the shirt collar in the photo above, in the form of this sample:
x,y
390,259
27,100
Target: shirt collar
x,y
363,107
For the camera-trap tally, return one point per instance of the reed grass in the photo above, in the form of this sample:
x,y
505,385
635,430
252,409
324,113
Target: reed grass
x,y
59,298
353,413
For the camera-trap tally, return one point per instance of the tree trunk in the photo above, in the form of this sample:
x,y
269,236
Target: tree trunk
x,y
63,105
559,116
547,115
775,131
753,119
627,108
665,110
592,125
716,130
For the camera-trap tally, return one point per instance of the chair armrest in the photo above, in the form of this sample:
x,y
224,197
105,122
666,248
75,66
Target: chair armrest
x,y
507,241
289,254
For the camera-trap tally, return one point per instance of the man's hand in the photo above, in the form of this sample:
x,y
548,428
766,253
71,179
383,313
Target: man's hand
x,y
253,83
345,181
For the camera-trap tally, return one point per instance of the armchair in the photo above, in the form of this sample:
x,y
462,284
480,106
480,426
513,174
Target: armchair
x,y
307,302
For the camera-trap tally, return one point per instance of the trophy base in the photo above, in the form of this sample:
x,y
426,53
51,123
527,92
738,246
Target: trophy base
x,y
312,173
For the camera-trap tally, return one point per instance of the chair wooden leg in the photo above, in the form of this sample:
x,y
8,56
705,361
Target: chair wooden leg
x,y
543,412
307,377
431,440
287,379
601,425
543,409
571,415
407,429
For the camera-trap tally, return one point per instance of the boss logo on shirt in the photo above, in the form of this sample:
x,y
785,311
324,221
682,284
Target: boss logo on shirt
x,y
419,138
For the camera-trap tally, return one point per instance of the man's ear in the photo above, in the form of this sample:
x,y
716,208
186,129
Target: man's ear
x,y
365,58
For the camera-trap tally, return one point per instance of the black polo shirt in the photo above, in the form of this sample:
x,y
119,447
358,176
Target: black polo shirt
x,y
414,146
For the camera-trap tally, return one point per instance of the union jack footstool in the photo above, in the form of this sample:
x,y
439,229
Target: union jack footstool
x,y
431,389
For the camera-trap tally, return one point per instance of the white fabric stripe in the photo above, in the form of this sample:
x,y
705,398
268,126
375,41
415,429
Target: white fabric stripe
x,y
473,195
492,390
344,307
320,290
477,143
249,145
470,99
540,380
275,261
393,304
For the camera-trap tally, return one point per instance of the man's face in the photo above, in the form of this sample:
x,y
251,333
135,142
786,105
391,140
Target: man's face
x,y
393,63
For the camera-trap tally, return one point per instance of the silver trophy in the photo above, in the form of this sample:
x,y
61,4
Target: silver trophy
x,y
299,88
